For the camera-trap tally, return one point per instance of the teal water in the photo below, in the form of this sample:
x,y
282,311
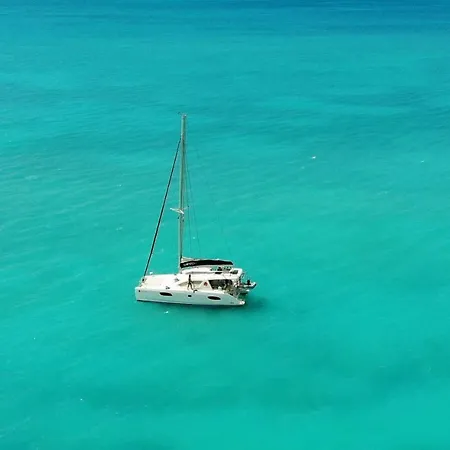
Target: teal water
x,y
319,160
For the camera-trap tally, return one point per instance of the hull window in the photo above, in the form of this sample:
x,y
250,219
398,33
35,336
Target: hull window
x,y
213,297
165,294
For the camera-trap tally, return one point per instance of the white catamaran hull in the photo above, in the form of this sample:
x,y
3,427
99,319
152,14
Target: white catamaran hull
x,y
208,298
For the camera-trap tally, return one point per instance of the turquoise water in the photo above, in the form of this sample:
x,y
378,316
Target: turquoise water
x,y
319,160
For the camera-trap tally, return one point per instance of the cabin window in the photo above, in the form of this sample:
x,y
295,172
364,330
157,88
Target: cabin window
x,y
165,294
220,284
213,297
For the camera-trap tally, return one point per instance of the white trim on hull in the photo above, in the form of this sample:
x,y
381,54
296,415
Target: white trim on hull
x,y
185,297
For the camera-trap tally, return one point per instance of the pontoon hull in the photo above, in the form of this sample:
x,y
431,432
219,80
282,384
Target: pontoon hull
x,y
184,297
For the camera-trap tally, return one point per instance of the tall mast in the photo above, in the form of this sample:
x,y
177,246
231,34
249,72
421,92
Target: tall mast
x,y
182,188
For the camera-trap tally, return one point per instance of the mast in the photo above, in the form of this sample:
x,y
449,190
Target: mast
x,y
181,201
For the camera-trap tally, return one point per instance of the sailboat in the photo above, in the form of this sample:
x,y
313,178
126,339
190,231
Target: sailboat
x,y
197,281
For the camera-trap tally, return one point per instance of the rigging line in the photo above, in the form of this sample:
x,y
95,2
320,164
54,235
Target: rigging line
x,y
162,208
188,206
191,207
218,221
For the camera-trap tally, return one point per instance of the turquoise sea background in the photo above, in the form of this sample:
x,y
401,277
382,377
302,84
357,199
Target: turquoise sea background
x,y
319,159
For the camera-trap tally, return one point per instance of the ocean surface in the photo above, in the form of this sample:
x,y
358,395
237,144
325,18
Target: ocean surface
x,y
319,159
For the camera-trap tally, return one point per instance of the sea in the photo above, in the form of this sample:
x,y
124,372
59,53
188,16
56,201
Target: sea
x,y
319,161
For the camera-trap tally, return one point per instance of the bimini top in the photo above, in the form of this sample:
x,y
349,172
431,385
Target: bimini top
x,y
195,262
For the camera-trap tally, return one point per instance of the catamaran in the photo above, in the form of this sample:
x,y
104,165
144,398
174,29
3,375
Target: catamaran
x,y
197,281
